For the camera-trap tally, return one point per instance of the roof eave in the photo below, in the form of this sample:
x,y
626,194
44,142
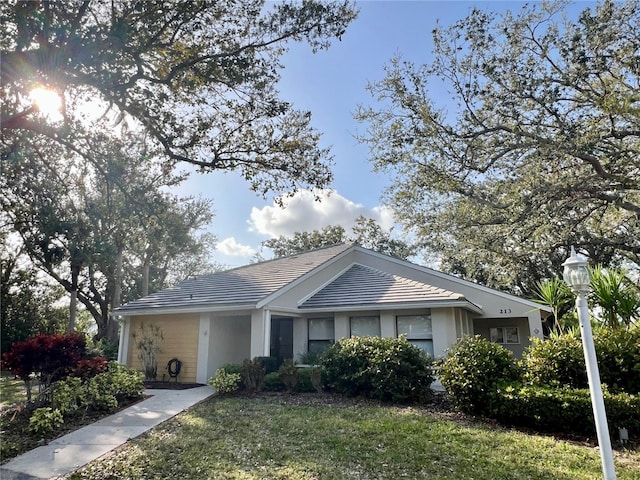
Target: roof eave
x,y
131,312
396,306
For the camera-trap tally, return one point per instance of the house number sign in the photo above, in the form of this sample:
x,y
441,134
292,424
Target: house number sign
x,y
505,311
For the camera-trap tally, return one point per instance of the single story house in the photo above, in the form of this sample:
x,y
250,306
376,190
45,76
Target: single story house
x,y
302,303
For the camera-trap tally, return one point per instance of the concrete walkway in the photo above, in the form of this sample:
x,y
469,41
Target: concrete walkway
x,y
74,450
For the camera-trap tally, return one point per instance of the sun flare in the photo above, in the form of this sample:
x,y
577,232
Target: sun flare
x,y
48,102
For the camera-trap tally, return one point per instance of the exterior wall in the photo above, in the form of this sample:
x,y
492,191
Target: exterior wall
x,y
482,326
180,334
229,342
445,324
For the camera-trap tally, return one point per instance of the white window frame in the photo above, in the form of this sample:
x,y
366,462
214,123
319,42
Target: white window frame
x,y
325,339
373,318
417,338
505,335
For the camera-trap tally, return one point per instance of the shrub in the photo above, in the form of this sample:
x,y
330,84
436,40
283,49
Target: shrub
x,y
387,369
253,372
104,391
225,383
316,378
288,373
90,367
472,371
270,364
48,357
557,361
619,358
563,410
272,382
305,383
45,421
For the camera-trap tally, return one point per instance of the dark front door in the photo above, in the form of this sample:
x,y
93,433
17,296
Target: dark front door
x,y
281,338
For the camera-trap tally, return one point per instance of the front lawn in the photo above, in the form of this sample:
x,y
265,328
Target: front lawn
x,y
325,437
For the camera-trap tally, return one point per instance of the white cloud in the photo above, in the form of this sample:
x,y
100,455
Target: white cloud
x,y
302,213
229,246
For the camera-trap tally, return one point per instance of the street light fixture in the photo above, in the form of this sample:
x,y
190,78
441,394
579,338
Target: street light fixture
x,y
576,275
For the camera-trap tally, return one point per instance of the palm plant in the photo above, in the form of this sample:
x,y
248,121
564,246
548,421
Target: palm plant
x,y
557,295
616,295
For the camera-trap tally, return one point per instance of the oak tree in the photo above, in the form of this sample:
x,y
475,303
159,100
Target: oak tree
x,y
199,77
534,148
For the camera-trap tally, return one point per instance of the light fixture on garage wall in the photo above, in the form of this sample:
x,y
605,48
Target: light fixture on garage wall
x,y
576,275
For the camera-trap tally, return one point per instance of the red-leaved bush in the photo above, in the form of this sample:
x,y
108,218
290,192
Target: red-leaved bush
x,y
90,367
47,357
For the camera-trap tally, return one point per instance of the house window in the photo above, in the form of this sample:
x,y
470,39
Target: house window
x,y
365,326
417,329
505,335
321,334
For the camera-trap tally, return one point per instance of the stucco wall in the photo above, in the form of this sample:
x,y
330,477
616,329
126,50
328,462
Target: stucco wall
x,y
180,333
482,327
229,341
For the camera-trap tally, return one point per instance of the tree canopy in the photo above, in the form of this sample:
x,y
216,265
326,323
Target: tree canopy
x,y
95,227
537,150
199,77
366,232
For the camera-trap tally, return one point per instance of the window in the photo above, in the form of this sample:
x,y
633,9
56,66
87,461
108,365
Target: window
x,y
321,334
417,329
504,335
365,326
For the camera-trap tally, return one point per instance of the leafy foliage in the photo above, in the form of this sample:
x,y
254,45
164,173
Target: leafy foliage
x,y
99,229
198,79
539,153
615,293
45,420
288,373
563,409
559,360
225,382
388,369
557,295
366,232
26,302
473,370
253,372
48,357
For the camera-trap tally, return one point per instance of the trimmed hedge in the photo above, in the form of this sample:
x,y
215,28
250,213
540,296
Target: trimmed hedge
x,y
563,410
387,369
559,361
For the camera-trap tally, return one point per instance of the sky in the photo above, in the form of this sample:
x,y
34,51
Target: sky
x,y
331,84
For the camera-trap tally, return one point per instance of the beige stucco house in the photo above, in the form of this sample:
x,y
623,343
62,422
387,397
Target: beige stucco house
x,y
288,306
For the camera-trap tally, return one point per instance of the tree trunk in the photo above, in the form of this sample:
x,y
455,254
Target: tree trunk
x,y
145,278
73,304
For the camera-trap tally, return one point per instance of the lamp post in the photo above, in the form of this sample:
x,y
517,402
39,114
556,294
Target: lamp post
x,y
576,275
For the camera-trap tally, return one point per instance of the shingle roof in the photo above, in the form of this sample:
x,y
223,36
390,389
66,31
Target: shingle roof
x,y
240,286
363,285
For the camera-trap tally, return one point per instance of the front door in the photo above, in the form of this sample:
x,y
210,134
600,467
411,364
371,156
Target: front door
x,y
281,338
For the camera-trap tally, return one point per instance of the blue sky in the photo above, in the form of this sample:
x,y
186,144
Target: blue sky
x,y
331,84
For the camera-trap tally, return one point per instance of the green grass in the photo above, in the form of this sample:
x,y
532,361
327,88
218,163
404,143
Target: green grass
x,y
11,391
282,438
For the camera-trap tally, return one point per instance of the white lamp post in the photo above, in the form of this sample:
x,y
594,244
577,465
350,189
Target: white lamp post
x,y
576,275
